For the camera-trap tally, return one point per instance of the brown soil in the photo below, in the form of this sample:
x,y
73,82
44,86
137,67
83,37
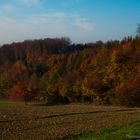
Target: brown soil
x,y
56,122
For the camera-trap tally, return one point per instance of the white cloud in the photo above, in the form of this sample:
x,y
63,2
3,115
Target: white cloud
x,y
52,15
84,24
12,30
17,6
55,24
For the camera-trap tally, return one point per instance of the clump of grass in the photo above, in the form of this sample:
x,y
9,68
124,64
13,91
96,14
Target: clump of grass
x,y
120,133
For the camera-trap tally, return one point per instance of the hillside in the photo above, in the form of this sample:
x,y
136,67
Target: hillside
x,y
57,71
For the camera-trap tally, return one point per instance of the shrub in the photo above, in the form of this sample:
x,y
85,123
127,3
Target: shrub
x,y
129,93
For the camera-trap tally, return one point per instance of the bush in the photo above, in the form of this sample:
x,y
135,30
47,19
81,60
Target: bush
x,y
129,93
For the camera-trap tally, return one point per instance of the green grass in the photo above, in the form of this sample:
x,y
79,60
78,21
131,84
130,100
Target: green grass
x,y
119,133
9,103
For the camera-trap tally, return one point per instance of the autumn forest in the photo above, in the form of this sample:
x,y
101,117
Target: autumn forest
x,y
56,71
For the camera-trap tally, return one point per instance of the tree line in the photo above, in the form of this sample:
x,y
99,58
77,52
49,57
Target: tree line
x,y
57,71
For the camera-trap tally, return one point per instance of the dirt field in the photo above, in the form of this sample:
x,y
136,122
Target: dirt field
x,y
56,122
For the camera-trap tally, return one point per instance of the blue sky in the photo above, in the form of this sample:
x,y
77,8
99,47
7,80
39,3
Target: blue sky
x,y
81,20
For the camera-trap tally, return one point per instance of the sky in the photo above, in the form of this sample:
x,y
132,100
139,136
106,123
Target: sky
x,y
80,20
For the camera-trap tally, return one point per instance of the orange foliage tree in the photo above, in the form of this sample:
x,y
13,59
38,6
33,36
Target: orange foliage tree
x,y
19,91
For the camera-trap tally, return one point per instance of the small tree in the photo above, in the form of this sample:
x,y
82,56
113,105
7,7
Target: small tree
x,y
19,91
138,30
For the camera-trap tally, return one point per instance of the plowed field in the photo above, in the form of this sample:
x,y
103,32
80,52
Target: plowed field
x,y
56,122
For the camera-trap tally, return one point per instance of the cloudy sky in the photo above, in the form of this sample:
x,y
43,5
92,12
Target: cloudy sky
x,y
81,20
